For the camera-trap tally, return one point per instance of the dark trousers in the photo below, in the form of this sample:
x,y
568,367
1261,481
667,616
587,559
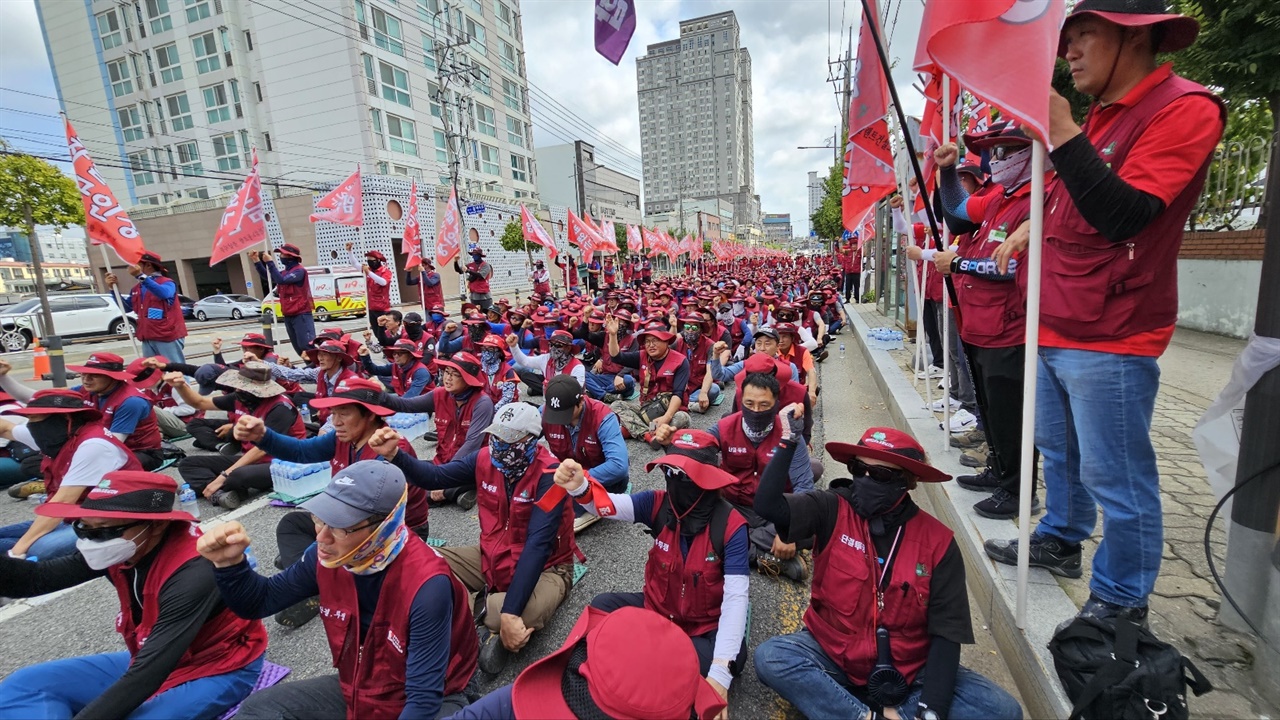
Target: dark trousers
x,y
705,644
302,330
851,282
532,379
932,332
379,333
150,459
200,470
204,433
997,381
318,698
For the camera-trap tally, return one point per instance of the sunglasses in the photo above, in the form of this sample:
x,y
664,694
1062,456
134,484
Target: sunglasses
x,y
1001,152
688,327
102,534
342,533
879,473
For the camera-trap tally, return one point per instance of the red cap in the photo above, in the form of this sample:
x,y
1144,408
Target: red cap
x,y
891,446
101,363
256,340
467,365
493,341
657,330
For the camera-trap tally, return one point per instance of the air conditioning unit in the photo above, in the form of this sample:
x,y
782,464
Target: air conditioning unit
x,y
373,86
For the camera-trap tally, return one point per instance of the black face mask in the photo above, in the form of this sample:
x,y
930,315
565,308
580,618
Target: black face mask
x,y
758,423
375,264
477,332
50,435
414,332
247,399
874,499
691,506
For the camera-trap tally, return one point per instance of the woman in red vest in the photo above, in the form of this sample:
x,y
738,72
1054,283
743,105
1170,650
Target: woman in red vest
x,y
888,600
187,654
398,622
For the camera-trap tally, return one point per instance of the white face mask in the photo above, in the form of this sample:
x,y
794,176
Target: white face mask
x,y
102,554
1013,170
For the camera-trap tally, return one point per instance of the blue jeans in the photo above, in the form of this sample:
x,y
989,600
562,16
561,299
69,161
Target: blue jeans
x,y
600,385
171,350
302,330
59,542
696,394
796,667
62,688
1093,427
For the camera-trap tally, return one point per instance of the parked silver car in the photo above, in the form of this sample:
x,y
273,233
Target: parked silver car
x,y
73,315
226,306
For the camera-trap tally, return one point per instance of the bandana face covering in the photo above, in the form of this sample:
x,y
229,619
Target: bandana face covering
x,y
1013,171
512,458
379,549
491,359
50,435
559,355
757,425
691,337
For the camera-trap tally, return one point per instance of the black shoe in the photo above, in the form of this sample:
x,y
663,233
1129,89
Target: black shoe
x,y
467,500
228,499
1002,505
278,562
985,481
1096,607
493,654
795,569
299,614
430,436
1049,553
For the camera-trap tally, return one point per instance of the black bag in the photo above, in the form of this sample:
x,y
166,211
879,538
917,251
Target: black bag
x,y
656,407
1119,670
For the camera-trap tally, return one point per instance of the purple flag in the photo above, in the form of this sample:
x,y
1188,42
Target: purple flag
x,y
615,24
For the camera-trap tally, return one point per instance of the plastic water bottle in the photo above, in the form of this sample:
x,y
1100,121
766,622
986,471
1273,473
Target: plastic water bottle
x,y
306,412
187,501
251,557
841,351
41,498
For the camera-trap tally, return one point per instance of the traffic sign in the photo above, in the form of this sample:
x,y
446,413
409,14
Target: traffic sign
x,y
477,209
248,284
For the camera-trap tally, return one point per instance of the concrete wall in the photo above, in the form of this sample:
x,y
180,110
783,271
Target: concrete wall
x,y
1218,296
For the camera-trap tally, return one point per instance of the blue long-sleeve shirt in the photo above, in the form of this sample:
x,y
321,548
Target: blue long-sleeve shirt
x,y
541,535
419,380
432,279
450,344
294,274
164,291
251,595
614,471
320,448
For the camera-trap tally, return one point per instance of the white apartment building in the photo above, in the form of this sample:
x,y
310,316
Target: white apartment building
x,y
569,175
696,137
179,91
815,192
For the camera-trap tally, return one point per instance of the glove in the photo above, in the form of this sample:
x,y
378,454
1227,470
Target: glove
x,y
793,427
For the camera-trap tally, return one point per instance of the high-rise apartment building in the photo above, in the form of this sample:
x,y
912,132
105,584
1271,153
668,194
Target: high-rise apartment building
x,y
777,227
695,119
570,175
179,91
816,191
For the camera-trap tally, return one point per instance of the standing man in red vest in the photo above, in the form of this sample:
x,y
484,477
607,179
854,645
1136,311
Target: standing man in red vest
x,y
1127,181
187,654
523,566
154,298
293,289
886,573
398,622
377,281
430,291
479,273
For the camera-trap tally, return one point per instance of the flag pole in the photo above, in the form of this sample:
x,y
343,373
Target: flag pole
x,y
1029,368
115,289
268,261
946,299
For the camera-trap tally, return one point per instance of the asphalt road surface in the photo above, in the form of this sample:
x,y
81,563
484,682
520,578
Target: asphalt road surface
x,y
81,620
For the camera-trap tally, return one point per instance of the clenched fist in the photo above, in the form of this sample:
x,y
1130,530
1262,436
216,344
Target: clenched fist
x,y
224,545
385,442
249,429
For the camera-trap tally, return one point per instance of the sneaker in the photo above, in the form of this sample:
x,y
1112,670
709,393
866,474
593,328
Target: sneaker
x,y
22,491
584,521
938,406
768,564
493,654
931,373
822,355
1096,607
430,436
467,500
229,499
971,439
962,421
299,614
942,384
796,569
975,458
985,481
1049,553
1002,505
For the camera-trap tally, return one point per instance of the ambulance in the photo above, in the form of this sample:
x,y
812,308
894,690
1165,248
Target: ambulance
x,y
335,291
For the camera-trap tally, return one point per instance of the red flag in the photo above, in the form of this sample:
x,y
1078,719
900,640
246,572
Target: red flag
x,y
649,240
535,233
449,237
868,161
105,222
242,223
411,243
584,236
979,115
343,203
608,234
635,241
1023,29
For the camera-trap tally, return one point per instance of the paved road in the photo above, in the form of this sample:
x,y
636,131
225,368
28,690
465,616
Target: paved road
x,y
80,621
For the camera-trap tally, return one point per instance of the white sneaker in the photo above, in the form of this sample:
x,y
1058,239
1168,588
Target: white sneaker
x,y
942,384
937,405
962,421
582,522
933,372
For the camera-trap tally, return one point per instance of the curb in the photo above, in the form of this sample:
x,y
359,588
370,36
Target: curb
x,y
994,585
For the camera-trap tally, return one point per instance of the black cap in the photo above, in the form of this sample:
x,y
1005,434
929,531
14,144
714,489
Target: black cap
x,y
563,394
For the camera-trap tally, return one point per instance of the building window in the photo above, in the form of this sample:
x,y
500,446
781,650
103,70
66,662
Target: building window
x,y
483,83
476,6
375,120
196,10
109,30
216,107
428,52
130,123
475,31
141,169
226,151
490,164
118,71
442,146
248,40
515,132
428,9
189,158
485,120
386,32
179,112
158,14
503,13
395,84
205,48
167,59
434,98
401,132
511,95
519,168
509,59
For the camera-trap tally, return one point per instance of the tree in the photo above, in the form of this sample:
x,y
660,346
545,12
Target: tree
x,y
513,238
1066,87
827,221
620,237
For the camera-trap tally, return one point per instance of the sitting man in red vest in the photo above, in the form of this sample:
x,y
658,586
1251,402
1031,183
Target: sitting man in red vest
x,y
247,390
703,391
697,572
154,299
539,369
462,410
355,414
885,572
126,412
397,621
188,655
663,380
586,430
332,367
76,450
523,566
409,376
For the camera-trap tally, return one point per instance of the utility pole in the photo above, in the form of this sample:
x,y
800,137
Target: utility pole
x,y
48,335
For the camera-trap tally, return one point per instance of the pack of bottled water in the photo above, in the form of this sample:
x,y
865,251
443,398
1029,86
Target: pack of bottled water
x,y
884,338
411,425
297,481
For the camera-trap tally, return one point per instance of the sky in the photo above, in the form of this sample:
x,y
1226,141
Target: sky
x,y
790,42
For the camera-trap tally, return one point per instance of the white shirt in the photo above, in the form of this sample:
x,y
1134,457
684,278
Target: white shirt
x,y
94,458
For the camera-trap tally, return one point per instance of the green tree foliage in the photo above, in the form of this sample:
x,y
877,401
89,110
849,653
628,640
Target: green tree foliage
x,y
620,236
513,237
826,221
33,192
1066,87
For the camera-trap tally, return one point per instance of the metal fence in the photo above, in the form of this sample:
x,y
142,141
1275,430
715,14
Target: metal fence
x,y
1233,191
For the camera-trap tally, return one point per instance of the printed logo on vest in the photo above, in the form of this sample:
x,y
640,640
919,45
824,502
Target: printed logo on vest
x,y
395,642
921,570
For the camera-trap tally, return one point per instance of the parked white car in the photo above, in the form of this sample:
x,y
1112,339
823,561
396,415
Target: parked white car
x,y
226,306
73,315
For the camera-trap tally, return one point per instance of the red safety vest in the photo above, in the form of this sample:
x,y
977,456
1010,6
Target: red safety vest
x,y
432,295
297,430
607,365
54,469
566,370
344,454
587,451
994,311
697,357
452,422
295,299
686,588
371,669
146,434
378,296
158,319
504,523
481,286
322,390
745,461
659,376
841,614
401,379
225,642
795,357
1094,289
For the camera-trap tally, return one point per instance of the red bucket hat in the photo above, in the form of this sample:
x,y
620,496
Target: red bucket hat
x,y
467,365
408,346
560,336
1179,30
101,363
616,644
290,250
123,495
256,340
356,391
376,255
333,347
697,453
657,330
892,446
493,341
56,401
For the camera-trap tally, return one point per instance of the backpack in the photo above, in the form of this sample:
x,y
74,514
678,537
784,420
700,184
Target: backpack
x,y
1117,669
718,523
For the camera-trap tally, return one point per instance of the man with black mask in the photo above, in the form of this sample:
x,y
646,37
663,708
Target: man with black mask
x,y
888,597
696,574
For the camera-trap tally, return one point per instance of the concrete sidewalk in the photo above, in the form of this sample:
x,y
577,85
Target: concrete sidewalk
x,y
1184,607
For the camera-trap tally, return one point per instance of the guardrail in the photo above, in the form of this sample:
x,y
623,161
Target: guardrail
x,y
1234,189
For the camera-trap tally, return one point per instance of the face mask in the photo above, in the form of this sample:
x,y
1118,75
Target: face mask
x,y
50,435
414,332
546,332
739,308
690,504
872,498
375,264
512,458
691,337
248,399
725,316
1013,171
559,356
477,332
437,317
490,359
758,424
102,554
477,257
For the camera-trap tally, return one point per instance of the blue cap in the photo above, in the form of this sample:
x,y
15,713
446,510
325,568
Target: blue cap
x,y
369,488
